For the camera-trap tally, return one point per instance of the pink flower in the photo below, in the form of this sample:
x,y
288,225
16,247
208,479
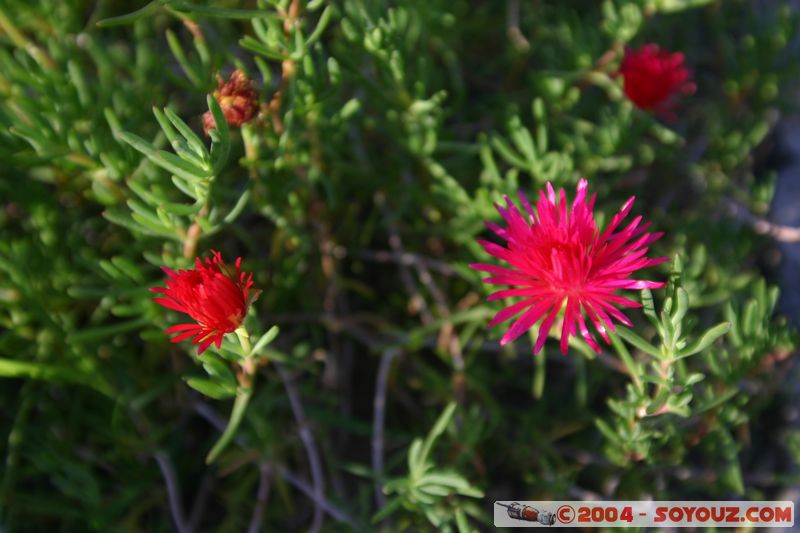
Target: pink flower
x,y
559,259
654,77
213,296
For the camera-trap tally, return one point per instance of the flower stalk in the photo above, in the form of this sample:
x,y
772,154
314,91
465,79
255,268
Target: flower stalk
x,y
243,393
247,376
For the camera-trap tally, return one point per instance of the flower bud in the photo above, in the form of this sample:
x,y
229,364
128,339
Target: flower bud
x,y
238,99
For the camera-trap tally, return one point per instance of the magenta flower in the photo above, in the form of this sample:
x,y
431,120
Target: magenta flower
x,y
559,259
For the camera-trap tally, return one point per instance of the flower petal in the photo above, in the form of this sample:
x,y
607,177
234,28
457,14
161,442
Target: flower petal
x,y
524,322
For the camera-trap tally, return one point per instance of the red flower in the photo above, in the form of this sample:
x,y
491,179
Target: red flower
x,y
654,77
216,298
559,258
237,98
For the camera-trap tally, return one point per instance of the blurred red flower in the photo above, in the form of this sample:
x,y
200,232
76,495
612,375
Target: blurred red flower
x,y
212,295
558,258
654,77
237,98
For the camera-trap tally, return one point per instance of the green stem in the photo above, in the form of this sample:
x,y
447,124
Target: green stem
x,y
20,41
539,370
250,142
243,394
244,340
630,364
239,407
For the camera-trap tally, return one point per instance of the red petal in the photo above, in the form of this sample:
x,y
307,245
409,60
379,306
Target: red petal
x,y
524,322
169,303
544,329
183,327
511,310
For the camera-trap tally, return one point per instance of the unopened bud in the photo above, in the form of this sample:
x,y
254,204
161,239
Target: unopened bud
x,y
238,100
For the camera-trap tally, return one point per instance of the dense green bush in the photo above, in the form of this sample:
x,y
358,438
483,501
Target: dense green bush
x,y
385,132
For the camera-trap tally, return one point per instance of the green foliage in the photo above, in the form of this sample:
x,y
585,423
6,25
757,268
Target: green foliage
x,y
428,489
384,136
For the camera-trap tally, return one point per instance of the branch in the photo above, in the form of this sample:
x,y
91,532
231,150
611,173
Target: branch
x,y
405,258
264,482
396,244
303,486
761,225
448,339
211,416
173,492
199,506
512,27
379,412
193,235
308,442
287,67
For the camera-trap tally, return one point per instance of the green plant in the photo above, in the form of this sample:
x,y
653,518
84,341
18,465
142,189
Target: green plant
x,y
382,136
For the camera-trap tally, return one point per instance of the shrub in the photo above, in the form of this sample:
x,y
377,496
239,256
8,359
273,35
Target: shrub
x,y
350,153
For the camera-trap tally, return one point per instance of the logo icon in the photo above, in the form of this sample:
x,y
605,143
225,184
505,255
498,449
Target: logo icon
x,y
529,514
565,514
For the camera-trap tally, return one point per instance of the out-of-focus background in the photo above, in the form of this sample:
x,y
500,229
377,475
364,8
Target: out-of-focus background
x,y
381,135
